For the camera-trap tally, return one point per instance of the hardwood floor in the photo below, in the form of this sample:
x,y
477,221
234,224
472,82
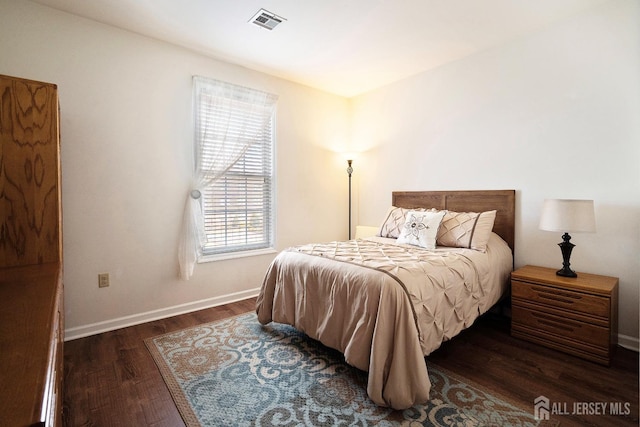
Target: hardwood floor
x,y
111,380
521,371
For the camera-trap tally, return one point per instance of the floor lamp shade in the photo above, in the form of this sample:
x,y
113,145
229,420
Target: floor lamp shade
x,y
564,215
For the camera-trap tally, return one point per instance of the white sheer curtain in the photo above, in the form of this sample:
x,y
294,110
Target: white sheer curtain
x,y
225,127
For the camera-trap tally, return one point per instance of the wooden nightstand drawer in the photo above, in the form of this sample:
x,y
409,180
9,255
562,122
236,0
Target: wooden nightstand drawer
x,y
577,315
577,348
559,326
562,298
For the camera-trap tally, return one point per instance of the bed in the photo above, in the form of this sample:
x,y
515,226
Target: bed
x,y
387,305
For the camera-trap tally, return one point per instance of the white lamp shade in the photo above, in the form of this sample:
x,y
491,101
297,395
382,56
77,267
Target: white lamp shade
x,y
568,216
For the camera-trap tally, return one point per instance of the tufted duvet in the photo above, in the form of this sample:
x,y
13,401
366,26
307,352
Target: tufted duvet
x,y
383,305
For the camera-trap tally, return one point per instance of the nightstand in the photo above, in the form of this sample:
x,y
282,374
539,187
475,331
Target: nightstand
x,y
576,315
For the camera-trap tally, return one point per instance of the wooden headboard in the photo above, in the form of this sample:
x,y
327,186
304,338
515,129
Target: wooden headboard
x,y
503,201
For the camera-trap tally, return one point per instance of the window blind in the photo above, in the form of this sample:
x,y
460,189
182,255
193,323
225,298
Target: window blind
x,y
237,206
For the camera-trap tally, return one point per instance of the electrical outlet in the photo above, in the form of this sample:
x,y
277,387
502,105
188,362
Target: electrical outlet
x,y
103,280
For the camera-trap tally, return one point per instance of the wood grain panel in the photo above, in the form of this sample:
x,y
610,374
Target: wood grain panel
x,y
561,343
577,315
30,231
563,328
589,283
592,305
30,344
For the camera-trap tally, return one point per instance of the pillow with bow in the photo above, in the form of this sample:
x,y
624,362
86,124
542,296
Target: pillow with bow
x,y
420,228
394,221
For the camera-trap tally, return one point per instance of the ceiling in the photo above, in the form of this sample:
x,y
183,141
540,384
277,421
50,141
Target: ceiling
x,y
343,47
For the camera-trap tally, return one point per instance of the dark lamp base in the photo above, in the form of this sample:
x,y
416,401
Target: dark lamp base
x,y
566,272
566,247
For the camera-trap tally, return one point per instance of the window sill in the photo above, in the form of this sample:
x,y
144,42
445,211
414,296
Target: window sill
x,y
235,255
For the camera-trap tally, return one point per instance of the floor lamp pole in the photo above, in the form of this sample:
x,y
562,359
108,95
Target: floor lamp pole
x,y
349,171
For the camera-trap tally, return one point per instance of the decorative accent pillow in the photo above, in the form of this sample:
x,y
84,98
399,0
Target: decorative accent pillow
x,y
421,228
394,221
466,230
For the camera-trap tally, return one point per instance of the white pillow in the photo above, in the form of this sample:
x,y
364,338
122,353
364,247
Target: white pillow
x,y
420,228
394,221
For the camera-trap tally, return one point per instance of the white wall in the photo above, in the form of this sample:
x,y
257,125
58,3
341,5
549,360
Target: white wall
x,y
125,103
552,115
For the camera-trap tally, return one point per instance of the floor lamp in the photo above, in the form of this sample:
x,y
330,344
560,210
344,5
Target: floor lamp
x,y
349,171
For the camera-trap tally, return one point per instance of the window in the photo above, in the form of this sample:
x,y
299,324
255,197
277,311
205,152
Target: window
x,y
236,128
238,205
229,208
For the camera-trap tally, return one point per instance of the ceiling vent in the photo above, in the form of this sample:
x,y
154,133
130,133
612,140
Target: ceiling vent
x,y
266,19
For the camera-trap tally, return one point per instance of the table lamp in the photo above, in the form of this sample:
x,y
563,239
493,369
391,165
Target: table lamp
x,y
565,215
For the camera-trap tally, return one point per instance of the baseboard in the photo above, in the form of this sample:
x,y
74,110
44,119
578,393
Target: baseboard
x,y
136,319
625,341
631,343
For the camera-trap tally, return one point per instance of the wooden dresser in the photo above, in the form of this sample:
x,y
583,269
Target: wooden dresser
x,y
577,315
31,290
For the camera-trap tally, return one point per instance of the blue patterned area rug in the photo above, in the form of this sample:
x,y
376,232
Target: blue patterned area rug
x,y
236,372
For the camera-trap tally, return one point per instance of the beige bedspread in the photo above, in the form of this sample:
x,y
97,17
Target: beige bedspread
x,y
384,306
